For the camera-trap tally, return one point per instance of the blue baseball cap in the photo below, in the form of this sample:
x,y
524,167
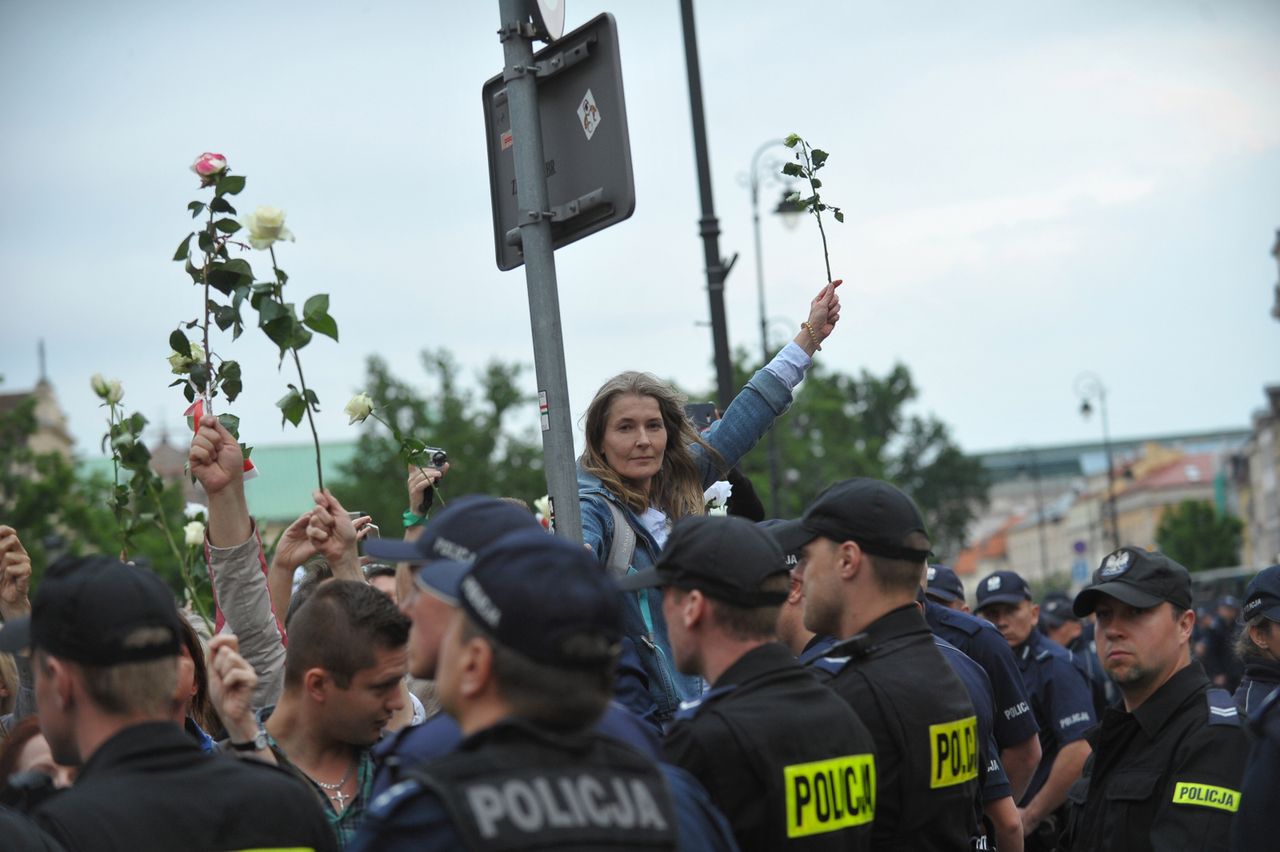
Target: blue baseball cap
x,y
1263,595
1002,587
457,532
942,583
1055,609
539,595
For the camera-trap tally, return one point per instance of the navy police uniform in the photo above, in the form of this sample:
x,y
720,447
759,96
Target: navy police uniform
x,y
517,785
785,760
993,784
924,728
1060,698
1261,674
981,642
1255,823
1166,776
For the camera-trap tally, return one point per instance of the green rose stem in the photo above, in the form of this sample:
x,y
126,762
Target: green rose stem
x,y
409,447
117,508
814,159
208,350
278,292
183,559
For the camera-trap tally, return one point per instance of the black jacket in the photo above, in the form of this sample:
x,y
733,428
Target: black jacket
x,y
924,727
760,739
1166,776
150,787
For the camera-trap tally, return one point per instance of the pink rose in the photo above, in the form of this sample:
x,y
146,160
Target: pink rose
x,y
209,166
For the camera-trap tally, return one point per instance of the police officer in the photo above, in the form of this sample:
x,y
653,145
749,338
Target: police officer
x,y
1016,730
1059,625
864,553
943,586
1259,643
526,667
105,640
785,759
1254,827
1165,772
1060,699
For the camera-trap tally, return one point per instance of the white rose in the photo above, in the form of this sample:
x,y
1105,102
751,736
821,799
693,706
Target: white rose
x,y
717,496
180,364
109,391
193,534
359,408
265,226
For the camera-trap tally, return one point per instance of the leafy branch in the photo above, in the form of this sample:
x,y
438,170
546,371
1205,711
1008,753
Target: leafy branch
x,y
808,162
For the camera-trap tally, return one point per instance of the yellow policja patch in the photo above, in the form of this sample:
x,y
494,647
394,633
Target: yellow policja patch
x,y
954,749
828,795
1206,796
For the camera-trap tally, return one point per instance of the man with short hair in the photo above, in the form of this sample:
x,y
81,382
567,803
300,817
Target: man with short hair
x,y
1060,699
106,641
768,739
526,668
1165,772
806,645
456,534
342,684
864,554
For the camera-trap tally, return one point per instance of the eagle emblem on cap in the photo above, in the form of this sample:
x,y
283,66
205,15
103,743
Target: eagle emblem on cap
x,y
1115,564
931,573
993,584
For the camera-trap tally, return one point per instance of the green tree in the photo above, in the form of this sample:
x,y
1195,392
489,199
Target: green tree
x,y
842,425
469,422
56,511
1199,537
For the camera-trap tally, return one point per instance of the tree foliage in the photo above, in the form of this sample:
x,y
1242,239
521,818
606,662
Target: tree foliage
x,y
470,421
56,512
1194,534
842,425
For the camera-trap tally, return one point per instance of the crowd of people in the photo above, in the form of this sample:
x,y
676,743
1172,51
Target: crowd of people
x,y
684,681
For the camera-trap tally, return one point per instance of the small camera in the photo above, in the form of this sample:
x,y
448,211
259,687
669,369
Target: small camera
x,y
432,457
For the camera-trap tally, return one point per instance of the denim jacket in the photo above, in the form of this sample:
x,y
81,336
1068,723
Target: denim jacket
x,y
745,421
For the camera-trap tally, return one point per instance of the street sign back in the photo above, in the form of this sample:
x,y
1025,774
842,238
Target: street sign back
x,y
586,147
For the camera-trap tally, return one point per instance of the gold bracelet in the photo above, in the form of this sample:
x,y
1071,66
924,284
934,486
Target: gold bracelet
x,y
812,336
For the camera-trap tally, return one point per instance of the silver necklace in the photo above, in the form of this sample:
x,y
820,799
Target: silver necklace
x,y
334,791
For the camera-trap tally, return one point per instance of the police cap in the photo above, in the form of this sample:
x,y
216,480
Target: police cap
x,y
1138,578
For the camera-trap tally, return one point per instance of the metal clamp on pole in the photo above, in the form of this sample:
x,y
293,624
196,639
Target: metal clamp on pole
x,y
562,213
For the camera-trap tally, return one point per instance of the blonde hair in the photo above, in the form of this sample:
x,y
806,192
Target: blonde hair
x,y
676,489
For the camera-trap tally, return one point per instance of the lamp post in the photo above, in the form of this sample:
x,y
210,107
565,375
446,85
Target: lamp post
x,y
753,178
1089,387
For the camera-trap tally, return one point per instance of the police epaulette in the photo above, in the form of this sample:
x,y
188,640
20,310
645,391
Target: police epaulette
x,y
1222,708
855,646
1044,655
689,709
391,798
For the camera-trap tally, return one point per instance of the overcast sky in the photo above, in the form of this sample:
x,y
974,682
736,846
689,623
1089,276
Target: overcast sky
x,y
1031,191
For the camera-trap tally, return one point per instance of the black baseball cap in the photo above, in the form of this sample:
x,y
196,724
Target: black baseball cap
x,y
942,583
726,558
1002,587
1055,609
457,532
1138,578
86,609
871,512
1263,595
791,558
539,595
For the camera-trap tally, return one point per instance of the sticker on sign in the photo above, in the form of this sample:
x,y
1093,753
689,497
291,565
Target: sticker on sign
x,y
588,114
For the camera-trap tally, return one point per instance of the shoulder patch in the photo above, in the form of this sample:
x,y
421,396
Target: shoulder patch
x,y
393,797
1222,708
689,709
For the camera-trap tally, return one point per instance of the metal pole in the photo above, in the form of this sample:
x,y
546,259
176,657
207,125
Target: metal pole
x,y
772,436
1111,470
709,225
1044,549
540,269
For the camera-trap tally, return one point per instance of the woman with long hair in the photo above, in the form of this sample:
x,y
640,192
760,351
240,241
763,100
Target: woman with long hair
x,y
645,466
1258,645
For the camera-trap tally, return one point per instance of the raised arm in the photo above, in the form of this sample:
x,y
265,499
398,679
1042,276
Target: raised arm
x,y
334,536
237,567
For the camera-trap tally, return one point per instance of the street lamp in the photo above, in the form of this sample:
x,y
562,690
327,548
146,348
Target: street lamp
x,y
784,207
1089,387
